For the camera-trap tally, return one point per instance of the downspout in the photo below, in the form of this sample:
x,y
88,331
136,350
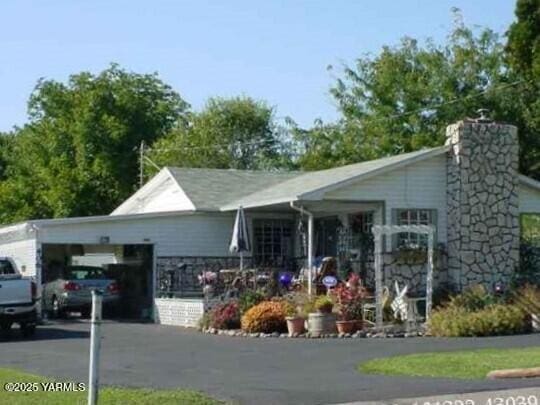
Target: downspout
x,y
302,211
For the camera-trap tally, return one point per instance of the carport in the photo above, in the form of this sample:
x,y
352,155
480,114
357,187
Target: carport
x,y
129,265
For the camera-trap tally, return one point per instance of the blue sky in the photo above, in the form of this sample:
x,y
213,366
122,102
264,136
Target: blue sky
x,y
276,50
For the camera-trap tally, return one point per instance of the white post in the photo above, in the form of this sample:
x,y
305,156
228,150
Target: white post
x,y
95,343
310,254
378,280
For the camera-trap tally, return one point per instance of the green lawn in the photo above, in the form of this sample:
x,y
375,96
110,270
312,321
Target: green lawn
x,y
474,364
108,395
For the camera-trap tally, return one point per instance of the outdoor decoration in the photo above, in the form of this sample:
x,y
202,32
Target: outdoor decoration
x,y
380,230
240,242
399,305
285,279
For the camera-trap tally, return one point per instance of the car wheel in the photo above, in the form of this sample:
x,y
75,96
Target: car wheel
x,y
28,329
86,313
6,326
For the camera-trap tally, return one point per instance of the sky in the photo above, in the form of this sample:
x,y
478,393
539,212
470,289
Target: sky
x,y
273,50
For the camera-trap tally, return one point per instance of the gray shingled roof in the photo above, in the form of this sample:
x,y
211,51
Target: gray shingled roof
x,y
210,189
219,189
300,186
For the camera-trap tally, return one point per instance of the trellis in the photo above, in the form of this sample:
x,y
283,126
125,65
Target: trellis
x,y
389,230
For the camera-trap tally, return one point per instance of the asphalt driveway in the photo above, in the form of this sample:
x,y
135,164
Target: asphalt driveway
x,y
246,371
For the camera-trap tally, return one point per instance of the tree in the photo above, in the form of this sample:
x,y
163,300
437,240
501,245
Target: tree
x,y
238,133
523,53
77,155
403,98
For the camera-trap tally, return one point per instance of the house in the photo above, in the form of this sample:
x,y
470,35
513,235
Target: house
x,y
469,190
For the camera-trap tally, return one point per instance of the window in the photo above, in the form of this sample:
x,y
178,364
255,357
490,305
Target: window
x,y
273,241
413,217
6,267
362,222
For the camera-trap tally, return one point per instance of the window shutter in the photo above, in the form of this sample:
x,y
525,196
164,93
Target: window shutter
x,y
394,221
434,220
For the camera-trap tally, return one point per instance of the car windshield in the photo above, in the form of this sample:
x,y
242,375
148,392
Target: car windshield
x,y
84,273
6,267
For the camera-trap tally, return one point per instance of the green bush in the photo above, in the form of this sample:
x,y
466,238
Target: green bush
x,y
473,298
491,320
249,299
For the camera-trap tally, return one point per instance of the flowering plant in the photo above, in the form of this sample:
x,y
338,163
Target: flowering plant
x,y
225,316
207,277
349,300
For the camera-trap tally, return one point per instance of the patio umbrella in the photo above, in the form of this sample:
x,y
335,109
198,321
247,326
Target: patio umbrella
x,y
240,236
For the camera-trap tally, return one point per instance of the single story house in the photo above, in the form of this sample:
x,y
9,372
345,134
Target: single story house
x,y
469,189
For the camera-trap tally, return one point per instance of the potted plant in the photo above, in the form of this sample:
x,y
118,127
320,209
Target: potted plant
x,y
349,300
295,322
324,304
323,321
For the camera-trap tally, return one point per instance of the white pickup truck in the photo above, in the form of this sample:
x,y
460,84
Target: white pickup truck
x,y
17,299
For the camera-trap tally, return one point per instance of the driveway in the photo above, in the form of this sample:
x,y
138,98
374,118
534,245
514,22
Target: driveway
x,y
247,371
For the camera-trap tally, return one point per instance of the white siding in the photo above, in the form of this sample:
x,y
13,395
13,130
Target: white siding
x,y
161,194
529,199
23,253
183,235
419,185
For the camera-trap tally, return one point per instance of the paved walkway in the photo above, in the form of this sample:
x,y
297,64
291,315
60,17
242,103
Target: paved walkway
x,y
247,371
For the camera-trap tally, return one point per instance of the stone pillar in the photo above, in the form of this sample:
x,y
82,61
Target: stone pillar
x,y
482,199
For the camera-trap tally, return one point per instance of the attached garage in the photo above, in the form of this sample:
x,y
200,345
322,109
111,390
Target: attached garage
x,y
129,249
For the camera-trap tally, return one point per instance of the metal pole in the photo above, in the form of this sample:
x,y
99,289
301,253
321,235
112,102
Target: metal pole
x,y
95,343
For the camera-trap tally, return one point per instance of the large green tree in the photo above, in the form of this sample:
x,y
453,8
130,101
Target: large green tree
x,y
237,133
523,52
402,99
77,155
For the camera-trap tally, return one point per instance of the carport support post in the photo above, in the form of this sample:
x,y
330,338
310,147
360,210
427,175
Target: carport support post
x,y
95,343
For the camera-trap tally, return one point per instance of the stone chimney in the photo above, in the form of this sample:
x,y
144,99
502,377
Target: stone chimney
x,y
482,200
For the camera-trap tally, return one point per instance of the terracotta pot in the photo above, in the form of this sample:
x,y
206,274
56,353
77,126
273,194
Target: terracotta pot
x,y
359,324
346,326
295,325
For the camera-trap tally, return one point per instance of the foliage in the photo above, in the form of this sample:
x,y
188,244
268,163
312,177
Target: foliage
x,y
249,299
205,322
528,271
107,395
265,317
471,364
235,133
402,99
225,316
475,312
474,298
349,301
77,154
324,304
530,228
528,299
523,54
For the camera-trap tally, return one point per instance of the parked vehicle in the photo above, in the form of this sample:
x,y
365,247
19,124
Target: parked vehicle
x,y
72,291
17,299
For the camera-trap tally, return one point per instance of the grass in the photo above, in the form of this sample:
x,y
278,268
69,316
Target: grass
x,y
473,364
107,395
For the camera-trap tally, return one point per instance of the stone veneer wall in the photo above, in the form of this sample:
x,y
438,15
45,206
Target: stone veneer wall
x,y
412,273
482,197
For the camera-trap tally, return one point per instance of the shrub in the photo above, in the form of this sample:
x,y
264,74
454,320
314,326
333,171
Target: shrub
x,y
265,317
324,304
495,319
473,298
205,321
249,299
528,299
225,316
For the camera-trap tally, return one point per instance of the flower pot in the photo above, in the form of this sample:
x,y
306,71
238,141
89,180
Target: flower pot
x,y
295,325
326,309
321,324
346,326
